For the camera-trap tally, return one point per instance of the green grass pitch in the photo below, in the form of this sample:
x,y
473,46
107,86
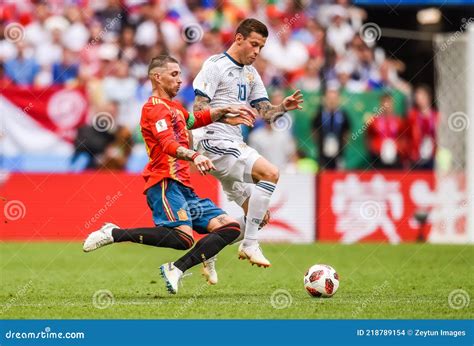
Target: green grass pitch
x,y
58,280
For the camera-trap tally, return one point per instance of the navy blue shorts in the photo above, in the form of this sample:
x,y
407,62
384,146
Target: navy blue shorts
x,y
174,204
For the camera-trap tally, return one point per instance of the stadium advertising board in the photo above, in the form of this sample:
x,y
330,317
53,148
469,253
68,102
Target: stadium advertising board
x,y
292,210
391,206
40,207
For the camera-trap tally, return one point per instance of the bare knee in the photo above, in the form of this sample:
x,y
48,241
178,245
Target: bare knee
x,y
227,227
220,222
264,170
271,175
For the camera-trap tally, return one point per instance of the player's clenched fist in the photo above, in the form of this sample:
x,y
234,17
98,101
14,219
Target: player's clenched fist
x,y
202,163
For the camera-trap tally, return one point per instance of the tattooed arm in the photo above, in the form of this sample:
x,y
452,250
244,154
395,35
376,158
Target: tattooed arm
x,y
202,103
202,163
269,112
185,154
237,114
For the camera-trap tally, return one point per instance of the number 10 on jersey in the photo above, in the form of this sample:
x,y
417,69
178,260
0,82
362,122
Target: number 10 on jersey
x,y
242,92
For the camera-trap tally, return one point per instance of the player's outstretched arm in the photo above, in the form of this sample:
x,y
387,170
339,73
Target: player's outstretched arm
x,y
232,115
270,112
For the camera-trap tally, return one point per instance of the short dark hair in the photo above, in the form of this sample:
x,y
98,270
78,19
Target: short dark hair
x,y
160,61
247,26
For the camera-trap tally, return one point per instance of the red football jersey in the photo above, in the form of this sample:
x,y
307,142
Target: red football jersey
x,y
420,126
164,126
387,127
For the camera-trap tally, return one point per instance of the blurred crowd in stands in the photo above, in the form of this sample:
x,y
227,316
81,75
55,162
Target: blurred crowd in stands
x,y
317,46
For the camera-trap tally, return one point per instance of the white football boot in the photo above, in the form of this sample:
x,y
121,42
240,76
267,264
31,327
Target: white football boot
x,y
99,238
209,270
254,254
172,276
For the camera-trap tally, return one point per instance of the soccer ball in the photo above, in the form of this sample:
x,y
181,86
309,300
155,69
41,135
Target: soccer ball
x,y
321,280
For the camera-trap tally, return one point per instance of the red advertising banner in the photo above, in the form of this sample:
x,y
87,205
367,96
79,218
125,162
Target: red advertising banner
x,y
347,207
373,206
70,206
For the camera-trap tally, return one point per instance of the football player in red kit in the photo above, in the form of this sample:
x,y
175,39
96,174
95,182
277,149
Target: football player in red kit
x,y
176,209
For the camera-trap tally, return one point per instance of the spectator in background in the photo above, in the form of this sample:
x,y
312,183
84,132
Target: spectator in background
x,y
112,18
23,69
356,15
339,33
107,55
318,46
308,53
103,143
362,58
76,36
386,136
51,51
226,16
120,87
310,80
117,153
210,44
274,140
7,48
387,77
139,65
36,33
148,32
128,49
344,71
90,53
289,56
330,130
295,12
271,77
422,124
67,70
329,74
186,92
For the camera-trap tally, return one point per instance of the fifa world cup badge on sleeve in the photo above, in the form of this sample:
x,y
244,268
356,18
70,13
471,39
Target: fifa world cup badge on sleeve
x,y
161,125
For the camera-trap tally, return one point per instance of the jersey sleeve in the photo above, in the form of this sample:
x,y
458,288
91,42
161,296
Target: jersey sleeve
x,y
258,92
198,119
159,122
207,80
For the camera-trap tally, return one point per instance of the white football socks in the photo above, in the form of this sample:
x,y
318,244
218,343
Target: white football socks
x,y
258,205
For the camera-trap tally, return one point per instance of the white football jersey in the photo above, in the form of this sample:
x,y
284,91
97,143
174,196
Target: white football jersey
x,y
226,82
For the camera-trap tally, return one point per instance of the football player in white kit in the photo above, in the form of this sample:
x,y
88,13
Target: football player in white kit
x,y
247,178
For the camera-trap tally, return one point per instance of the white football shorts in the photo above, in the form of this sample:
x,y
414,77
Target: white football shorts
x,y
233,161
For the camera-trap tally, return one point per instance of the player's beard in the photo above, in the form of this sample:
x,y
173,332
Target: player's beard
x,y
172,92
